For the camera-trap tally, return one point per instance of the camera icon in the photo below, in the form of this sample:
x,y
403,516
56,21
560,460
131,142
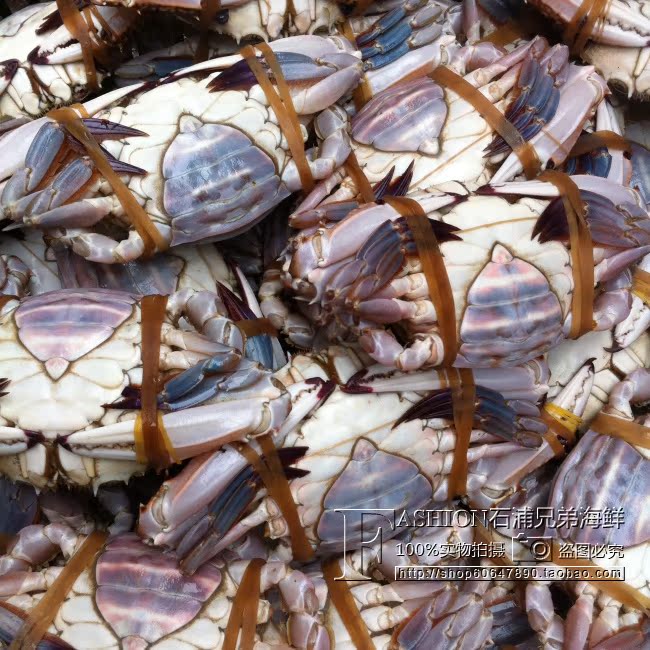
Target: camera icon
x,y
539,547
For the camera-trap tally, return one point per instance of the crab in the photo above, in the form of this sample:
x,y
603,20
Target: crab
x,y
294,609
227,117
352,288
400,432
159,607
420,124
42,62
595,616
90,344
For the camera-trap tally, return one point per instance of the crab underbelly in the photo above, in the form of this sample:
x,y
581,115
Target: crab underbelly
x,y
61,407
217,182
512,315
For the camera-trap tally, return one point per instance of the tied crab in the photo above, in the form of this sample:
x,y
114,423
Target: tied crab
x,y
43,63
598,617
157,606
341,463
63,344
181,171
427,128
354,273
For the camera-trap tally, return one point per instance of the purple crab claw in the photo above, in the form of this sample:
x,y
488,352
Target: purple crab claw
x,y
610,224
24,202
399,31
314,84
492,413
539,96
259,348
198,544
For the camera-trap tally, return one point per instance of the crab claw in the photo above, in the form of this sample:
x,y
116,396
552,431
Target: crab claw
x,y
316,81
197,511
254,403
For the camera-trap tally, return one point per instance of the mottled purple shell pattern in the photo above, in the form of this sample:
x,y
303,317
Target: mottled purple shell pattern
x,y
619,477
373,479
512,315
407,117
217,183
67,324
143,595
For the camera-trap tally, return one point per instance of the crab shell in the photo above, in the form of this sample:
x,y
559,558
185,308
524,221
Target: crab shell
x,y
622,470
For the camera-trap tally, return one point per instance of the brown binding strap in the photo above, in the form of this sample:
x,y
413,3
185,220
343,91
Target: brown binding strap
x,y
346,606
492,115
282,105
141,221
463,393
78,28
360,179
255,327
5,299
434,270
582,253
641,285
627,430
272,474
583,24
505,34
461,381
42,614
209,9
362,94
243,615
589,141
152,444
562,427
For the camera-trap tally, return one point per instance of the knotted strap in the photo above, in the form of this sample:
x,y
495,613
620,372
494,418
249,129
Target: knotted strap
x,y
44,612
345,605
136,214
152,444
627,430
492,115
562,427
582,253
270,469
243,614
434,270
362,94
282,105
255,327
584,23
641,285
589,141
360,179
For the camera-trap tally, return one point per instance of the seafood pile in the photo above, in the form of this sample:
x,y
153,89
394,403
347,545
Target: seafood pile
x,y
323,324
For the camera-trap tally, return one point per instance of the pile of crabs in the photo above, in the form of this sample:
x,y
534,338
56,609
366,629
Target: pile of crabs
x,y
292,266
